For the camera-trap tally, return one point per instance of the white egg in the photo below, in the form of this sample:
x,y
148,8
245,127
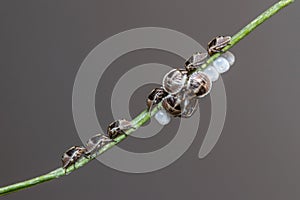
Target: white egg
x,y
162,117
212,73
229,57
221,65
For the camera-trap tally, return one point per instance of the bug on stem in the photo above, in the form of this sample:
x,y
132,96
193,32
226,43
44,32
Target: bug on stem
x,y
195,61
199,84
72,155
96,142
155,97
217,44
180,105
118,128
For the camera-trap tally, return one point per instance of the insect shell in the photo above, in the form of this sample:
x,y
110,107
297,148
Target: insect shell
x,y
96,142
118,127
174,80
172,105
155,97
195,61
199,84
180,105
217,44
189,107
72,155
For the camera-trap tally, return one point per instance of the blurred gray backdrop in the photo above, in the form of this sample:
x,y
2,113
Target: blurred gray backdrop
x,y
43,43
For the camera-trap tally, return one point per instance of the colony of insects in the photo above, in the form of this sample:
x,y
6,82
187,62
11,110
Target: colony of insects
x,y
73,154
179,94
95,143
181,88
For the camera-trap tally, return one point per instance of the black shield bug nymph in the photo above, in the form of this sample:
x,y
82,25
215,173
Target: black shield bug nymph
x,y
172,105
72,155
96,142
180,105
199,84
217,44
118,127
155,97
195,61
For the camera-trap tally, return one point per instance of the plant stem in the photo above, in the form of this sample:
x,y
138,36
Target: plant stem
x,y
144,116
250,27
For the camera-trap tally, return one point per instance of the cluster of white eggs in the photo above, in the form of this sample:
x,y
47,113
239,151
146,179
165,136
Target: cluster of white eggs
x,y
219,66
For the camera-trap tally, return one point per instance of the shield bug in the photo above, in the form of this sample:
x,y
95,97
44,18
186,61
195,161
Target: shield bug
x,y
180,105
174,80
96,142
118,127
217,44
72,155
155,97
195,61
199,84
172,105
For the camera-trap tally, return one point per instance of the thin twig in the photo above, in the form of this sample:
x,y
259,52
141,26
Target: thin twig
x,y
144,116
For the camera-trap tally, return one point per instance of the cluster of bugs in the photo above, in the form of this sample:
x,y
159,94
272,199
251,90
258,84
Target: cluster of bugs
x,y
180,91
95,143
179,95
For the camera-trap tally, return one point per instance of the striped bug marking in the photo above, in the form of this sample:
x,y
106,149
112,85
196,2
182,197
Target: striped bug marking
x,y
199,84
118,128
180,105
155,97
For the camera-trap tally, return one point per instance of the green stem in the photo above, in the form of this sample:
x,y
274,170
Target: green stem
x,y
250,27
144,116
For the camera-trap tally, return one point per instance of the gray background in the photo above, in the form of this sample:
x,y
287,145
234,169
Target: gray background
x,y
42,45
